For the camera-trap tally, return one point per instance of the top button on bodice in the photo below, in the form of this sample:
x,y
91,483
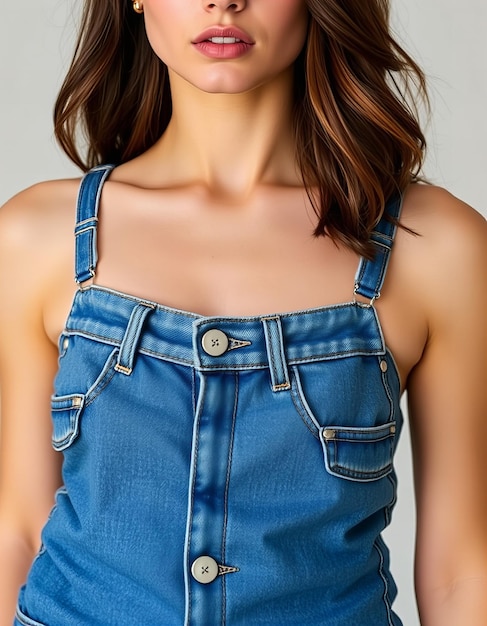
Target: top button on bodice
x,y
215,342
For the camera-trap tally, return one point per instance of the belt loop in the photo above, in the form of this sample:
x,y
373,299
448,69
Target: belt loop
x,y
128,347
275,352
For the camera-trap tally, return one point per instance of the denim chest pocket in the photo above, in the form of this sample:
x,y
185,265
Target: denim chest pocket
x,y
67,408
359,454
347,405
66,411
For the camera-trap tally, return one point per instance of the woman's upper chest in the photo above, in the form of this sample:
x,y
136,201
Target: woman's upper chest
x,y
216,257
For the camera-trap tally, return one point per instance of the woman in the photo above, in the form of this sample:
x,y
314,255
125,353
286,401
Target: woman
x,y
227,386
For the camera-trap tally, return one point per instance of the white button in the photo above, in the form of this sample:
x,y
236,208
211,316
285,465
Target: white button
x,y
215,342
383,366
65,343
205,570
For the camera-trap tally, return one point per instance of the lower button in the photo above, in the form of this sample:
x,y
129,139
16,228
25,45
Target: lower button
x,y
204,570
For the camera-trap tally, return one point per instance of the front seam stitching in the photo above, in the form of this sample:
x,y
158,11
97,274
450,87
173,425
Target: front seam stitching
x,y
385,595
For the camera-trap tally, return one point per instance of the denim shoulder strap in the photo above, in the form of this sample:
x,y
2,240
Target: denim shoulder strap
x,y
371,274
86,255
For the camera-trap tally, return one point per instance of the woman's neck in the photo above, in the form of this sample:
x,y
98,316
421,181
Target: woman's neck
x,y
230,143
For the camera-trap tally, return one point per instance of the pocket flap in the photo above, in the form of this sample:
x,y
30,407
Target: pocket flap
x,y
360,454
65,416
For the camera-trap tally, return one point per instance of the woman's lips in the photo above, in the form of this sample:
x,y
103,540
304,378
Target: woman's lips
x,y
223,42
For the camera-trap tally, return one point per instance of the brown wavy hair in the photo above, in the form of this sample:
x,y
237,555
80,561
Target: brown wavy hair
x,y
358,139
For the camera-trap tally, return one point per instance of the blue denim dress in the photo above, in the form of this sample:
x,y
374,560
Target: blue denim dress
x,y
219,470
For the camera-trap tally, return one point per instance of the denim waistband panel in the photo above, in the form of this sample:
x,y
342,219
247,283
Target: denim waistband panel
x,y
305,336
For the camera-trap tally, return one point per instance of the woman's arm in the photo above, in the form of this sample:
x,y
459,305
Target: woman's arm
x,y
447,394
29,469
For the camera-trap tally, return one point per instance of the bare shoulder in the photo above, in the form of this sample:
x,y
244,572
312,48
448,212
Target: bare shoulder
x,y
449,250
36,251
441,219
35,222
41,206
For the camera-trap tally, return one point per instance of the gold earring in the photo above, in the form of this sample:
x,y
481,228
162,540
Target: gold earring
x,y
138,6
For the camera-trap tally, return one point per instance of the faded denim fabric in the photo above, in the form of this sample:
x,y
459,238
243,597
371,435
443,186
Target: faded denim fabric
x,y
219,470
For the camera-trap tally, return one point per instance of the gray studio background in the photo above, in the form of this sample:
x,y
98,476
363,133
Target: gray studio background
x,y
448,39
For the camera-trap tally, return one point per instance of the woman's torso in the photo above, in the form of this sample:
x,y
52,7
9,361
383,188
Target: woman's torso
x,y
284,470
